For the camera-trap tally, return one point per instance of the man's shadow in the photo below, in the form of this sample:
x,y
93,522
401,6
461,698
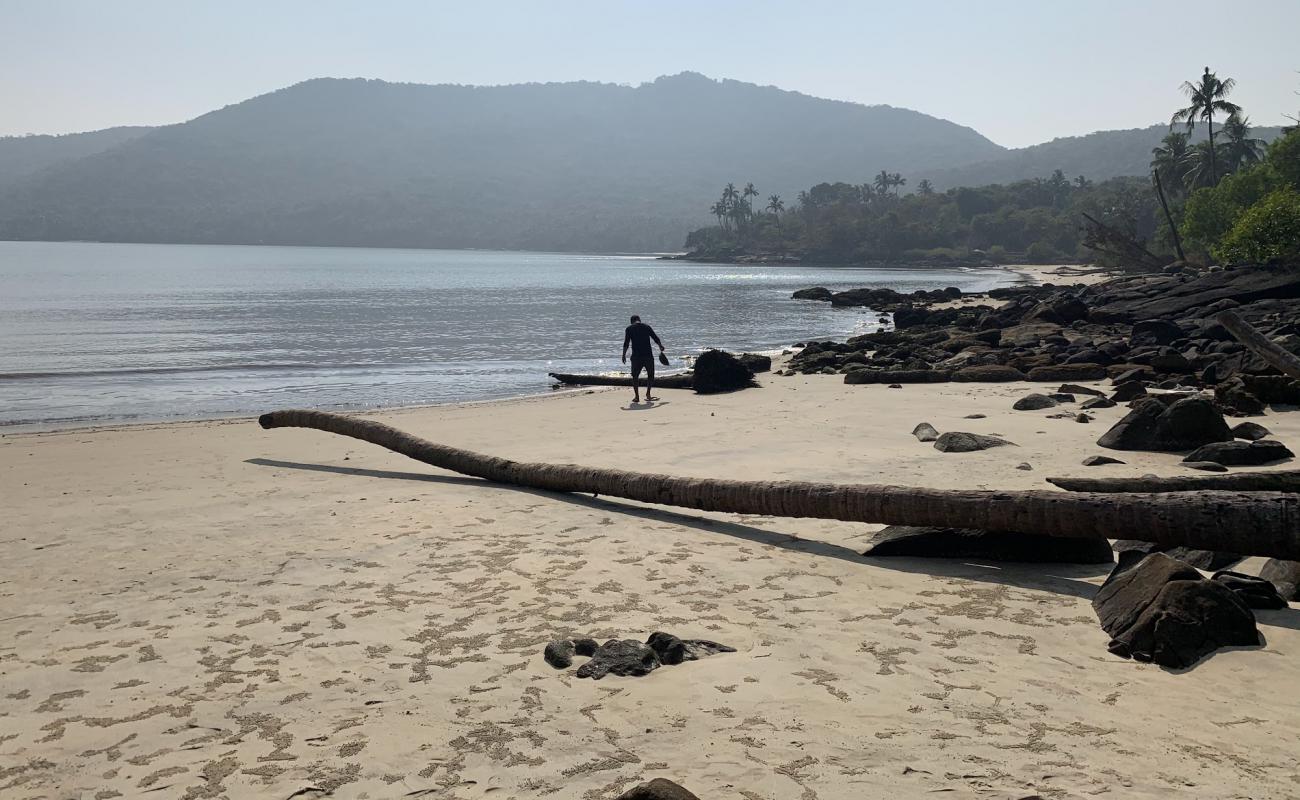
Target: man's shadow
x,y
646,406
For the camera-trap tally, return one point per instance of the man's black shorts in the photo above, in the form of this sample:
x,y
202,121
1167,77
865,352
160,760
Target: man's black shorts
x,y
646,363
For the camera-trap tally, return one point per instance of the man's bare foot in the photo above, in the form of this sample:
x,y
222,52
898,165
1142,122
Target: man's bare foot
x,y
636,400
650,399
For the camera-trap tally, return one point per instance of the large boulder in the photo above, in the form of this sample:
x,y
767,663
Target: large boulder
x,y
1034,402
1162,610
1154,332
1284,575
961,442
1250,431
815,293
626,657
989,373
1169,297
755,362
1209,560
1242,454
938,542
1151,425
925,432
1254,592
718,371
1068,372
658,789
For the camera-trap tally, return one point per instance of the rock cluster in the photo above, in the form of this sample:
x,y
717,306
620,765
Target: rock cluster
x,y
1142,332
628,657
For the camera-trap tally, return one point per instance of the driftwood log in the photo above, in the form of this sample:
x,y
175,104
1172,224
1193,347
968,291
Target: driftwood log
x,y
1285,361
1255,523
1280,481
681,381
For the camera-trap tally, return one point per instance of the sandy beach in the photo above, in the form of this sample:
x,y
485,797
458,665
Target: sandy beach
x,y
206,610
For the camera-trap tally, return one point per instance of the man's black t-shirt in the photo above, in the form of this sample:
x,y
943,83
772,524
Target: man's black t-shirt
x,y
639,335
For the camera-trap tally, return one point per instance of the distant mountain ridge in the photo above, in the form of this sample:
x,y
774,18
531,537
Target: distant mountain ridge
x,y
561,166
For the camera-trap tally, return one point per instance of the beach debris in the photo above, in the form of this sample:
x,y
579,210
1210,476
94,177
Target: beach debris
x,y
1205,466
925,432
1151,425
940,542
1158,609
1284,575
658,789
1250,431
1097,461
718,371
1242,454
1254,592
1034,402
628,657
1024,466
962,442
975,416
683,380
1209,560
1261,523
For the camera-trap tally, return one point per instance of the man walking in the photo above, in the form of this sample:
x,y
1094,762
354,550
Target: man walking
x,y
638,336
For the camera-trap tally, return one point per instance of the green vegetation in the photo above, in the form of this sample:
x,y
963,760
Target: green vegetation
x,y
1229,199
1033,221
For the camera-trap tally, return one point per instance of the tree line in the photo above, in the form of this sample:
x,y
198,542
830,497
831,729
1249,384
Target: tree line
x,y
1212,187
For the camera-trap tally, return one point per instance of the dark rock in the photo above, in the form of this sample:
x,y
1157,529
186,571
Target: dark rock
x,y
1250,431
755,362
1131,374
1026,467
864,376
1097,461
990,373
620,657
1163,611
1081,417
1074,388
975,416
657,789
1205,466
1068,372
1062,397
1154,332
1099,402
961,442
1201,559
1129,390
718,371
585,647
925,432
909,317
559,653
672,650
1188,423
1254,592
815,293
895,386
1242,454
1284,575
1034,402
937,542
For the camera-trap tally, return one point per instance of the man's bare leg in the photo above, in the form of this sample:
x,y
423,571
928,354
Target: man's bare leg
x,y
636,390
650,384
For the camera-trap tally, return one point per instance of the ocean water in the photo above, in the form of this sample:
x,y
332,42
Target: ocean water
x,y
94,333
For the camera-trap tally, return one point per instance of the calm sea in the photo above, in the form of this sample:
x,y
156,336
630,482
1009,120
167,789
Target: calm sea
x,y
93,333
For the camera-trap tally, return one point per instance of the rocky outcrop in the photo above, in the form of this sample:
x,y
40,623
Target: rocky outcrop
x,y
1284,575
657,789
1242,454
718,371
1161,610
1183,425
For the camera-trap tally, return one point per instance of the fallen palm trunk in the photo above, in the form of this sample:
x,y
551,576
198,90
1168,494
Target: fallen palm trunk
x,y
1285,361
1281,481
683,381
1257,523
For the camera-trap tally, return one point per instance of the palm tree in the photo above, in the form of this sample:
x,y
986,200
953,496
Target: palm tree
x,y
1198,166
749,192
1170,159
1254,523
719,210
1239,150
883,183
897,181
775,206
1206,98
925,187
1081,182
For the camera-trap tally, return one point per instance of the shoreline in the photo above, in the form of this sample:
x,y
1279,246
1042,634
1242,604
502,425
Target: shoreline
x,y
1028,274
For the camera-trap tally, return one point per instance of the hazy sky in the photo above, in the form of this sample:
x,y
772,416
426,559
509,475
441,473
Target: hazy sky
x,y
1018,72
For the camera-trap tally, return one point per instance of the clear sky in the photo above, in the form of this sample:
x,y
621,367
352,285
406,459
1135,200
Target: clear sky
x,y
1018,72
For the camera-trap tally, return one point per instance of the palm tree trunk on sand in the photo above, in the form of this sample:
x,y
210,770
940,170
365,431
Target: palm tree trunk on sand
x,y
1283,360
1279,481
1254,523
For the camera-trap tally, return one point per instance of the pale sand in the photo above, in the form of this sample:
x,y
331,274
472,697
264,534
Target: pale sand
x,y
178,617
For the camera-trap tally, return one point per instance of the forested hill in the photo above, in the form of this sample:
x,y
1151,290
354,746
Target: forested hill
x,y
1097,156
573,166
21,156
